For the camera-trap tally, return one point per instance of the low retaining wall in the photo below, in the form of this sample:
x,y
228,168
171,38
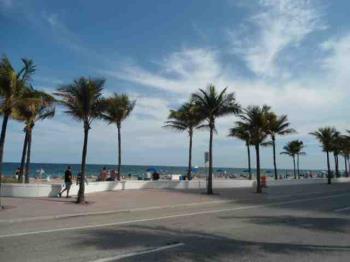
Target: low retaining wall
x,y
45,190
291,182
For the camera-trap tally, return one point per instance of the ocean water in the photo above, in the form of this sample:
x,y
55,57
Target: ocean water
x,y
57,170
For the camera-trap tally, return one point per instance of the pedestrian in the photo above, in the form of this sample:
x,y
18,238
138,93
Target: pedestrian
x,y
68,177
18,171
79,177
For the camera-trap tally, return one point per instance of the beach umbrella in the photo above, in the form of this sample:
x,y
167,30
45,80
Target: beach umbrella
x,y
152,170
195,169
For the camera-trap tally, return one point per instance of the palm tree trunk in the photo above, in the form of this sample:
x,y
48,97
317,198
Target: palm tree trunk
x,y
298,167
24,153
189,171
258,185
274,156
249,164
27,169
81,192
210,174
329,169
336,167
338,172
294,171
2,144
346,166
347,158
119,149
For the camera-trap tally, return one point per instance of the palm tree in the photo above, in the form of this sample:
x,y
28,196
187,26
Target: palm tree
x,y
118,108
291,149
345,152
277,125
336,149
326,136
211,105
186,118
254,119
299,151
35,106
84,102
12,84
240,132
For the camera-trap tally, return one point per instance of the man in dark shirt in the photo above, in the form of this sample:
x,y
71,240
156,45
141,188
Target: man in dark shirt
x,y
68,177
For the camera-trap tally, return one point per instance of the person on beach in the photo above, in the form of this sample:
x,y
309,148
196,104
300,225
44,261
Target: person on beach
x,y
103,175
18,171
68,177
113,175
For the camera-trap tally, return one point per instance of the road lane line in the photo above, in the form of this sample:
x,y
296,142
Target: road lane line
x,y
138,253
111,212
171,216
342,209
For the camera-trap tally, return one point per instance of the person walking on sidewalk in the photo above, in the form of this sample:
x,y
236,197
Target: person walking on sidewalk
x,y
68,177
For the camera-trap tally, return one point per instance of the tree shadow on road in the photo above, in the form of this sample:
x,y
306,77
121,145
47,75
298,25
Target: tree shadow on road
x,y
328,224
198,246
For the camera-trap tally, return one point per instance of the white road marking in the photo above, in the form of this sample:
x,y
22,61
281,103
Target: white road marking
x,y
172,216
110,212
138,253
342,209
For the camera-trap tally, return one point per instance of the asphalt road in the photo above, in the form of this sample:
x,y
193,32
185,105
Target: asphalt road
x,y
294,223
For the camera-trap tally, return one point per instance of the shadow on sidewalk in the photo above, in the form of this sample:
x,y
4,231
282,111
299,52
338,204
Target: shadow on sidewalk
x,y
198,246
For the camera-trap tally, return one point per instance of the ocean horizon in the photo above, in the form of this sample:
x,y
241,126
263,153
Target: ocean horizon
x,y
57,169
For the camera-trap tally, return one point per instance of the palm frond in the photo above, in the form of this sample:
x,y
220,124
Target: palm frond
x,y
83,99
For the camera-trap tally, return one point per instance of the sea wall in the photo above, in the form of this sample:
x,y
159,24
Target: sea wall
x,y
51,190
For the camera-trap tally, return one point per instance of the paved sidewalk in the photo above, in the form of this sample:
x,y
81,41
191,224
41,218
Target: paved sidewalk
x,y
22,209
17,209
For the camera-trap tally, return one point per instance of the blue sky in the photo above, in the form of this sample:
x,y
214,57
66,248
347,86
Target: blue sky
x,y
293,55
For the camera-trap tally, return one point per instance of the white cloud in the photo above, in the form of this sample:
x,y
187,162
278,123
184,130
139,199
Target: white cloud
x,y
337,62
180,72
276,25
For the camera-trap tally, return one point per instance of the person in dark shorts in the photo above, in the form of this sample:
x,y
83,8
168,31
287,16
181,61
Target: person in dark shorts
x,y
68,177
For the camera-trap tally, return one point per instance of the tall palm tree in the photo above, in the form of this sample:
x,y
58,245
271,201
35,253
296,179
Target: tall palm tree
x,y
211,105
12,84
240,132
118,108
345,151
326,136
186,118
35,106
277,125
291,149
299,149
84,102
254,119
336,149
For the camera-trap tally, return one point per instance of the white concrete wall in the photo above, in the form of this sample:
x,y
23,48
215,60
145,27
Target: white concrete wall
x,y
306,181
44,190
